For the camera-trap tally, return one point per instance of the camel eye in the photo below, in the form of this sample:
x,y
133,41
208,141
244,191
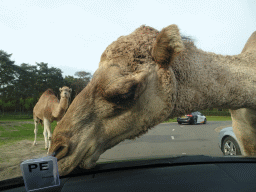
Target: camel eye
x,y
123,98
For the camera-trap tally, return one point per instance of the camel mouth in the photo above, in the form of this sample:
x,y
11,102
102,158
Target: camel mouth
x,y
60,152
89,165
89,159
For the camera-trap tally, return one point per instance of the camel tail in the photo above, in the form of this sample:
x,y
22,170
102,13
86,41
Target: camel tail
x,y
251,43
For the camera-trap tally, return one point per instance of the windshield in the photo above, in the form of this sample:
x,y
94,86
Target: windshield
x,y
104,81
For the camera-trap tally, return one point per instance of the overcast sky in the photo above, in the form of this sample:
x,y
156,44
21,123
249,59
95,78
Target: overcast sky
x,y
72,34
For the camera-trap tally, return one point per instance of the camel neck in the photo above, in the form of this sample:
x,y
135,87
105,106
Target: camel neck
x,y
61,108
206,80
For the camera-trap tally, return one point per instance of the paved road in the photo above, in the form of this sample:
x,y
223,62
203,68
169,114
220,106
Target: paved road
x,y
171,139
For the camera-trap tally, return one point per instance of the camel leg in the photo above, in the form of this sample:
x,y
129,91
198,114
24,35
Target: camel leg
x,y
244,127
48,130
35,130
45,133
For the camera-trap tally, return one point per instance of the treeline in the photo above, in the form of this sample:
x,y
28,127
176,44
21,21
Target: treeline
x,y
21,86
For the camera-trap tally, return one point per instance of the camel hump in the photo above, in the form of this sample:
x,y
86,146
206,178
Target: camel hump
x,y
251,43
49,91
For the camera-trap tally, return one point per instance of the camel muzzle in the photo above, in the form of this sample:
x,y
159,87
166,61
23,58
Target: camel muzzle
x,y
53,154
60,152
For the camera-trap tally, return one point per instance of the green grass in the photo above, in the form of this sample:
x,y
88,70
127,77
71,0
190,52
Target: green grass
x,y
218,118
12,132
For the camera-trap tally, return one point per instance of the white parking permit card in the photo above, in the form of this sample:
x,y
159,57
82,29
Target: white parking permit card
x,y
40,173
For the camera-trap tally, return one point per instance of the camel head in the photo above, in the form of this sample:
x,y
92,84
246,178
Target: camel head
x,y
65,92
130,92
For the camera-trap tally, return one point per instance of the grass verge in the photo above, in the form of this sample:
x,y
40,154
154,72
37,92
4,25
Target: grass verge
x,y
15,130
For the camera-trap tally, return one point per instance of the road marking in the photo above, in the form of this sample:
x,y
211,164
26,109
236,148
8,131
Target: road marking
x,y
172,137
173,129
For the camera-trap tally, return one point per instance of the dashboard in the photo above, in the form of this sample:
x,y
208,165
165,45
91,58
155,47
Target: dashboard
x,y
183,173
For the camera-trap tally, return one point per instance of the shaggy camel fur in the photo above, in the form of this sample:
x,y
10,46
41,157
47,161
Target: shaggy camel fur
x,y
145,78
49,109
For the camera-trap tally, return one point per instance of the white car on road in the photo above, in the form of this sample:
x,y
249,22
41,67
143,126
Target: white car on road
x,y
193,118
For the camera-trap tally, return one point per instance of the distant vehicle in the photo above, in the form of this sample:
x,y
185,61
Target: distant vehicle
x,y
228,142
193,118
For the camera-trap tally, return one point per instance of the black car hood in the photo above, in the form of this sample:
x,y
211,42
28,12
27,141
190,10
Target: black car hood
x,y
159,161
147,162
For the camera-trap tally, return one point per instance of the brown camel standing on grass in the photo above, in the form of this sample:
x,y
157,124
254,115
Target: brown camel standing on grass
x,y
49,109
147,77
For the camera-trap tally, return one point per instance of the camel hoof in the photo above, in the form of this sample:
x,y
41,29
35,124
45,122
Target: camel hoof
x,y
34,144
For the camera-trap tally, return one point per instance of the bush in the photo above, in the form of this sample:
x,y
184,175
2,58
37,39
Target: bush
x,y
16,116
216,112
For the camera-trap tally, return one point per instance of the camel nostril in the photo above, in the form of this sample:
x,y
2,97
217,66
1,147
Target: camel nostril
x,y
60,146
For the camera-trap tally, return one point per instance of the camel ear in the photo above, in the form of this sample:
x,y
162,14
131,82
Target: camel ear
x,y
167,46
60,89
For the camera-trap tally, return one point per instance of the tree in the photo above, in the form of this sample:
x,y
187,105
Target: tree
x,y
2,105
8,70
86,76
48,78
81,82
69,80
29,103
24,86
9,105
8,76
21,86
22,104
